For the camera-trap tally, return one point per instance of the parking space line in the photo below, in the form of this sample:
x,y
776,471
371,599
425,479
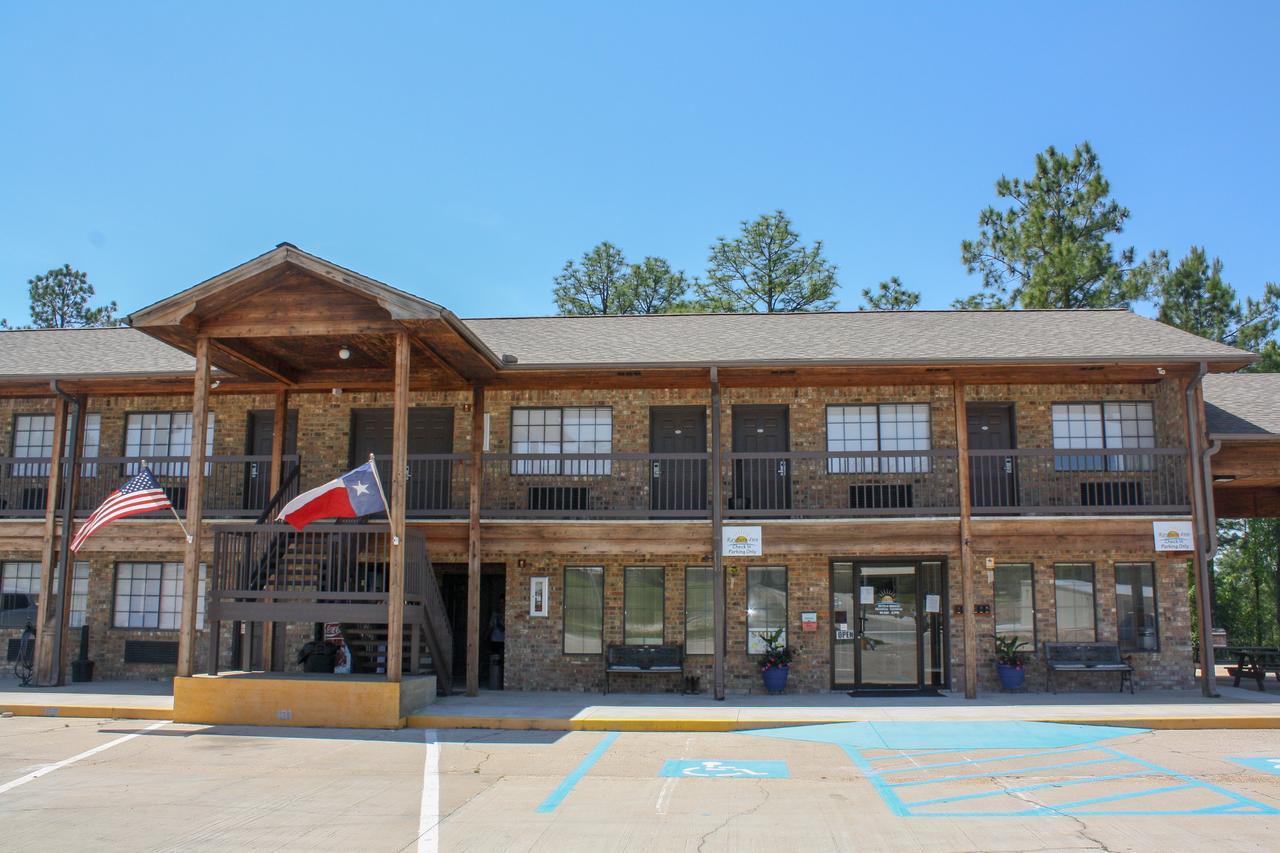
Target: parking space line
x,y
1018,770
991,759
562,790
67,762
429,810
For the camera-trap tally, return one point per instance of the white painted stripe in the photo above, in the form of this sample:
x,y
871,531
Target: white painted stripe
x,y
66,762
429,812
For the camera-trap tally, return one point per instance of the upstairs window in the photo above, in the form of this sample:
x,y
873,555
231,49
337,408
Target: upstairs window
x,y
889,426
151,435
587,429
33,439
1089,426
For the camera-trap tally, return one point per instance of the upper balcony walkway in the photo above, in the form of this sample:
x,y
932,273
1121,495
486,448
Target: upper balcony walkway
x,y
790,485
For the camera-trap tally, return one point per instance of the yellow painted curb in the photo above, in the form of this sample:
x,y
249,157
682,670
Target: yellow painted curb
x,y
88,711
632,724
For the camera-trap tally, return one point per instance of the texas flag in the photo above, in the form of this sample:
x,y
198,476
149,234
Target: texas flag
x,y
353,495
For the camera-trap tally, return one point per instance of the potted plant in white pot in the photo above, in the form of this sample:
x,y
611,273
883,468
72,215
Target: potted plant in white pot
x,y
1010,661
775,663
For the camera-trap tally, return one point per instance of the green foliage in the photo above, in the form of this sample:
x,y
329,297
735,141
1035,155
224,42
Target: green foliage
x,y
60,300
604,283
1049,248
1194,297
1246,575
775,653
889,296
1010,650
767,269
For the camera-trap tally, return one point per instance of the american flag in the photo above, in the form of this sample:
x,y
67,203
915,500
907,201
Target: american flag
x,y
141,494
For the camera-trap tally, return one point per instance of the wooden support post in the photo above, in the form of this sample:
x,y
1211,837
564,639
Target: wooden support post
x,y
966,552
717,541
279,429
47,673
195,510
473,540
395,514
1200,520
71,491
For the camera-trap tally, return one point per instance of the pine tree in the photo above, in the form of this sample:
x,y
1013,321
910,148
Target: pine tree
x,y
767,269
890,296
60,300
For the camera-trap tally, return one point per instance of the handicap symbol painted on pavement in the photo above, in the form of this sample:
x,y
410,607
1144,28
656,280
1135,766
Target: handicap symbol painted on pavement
x,y
1266,765
729,769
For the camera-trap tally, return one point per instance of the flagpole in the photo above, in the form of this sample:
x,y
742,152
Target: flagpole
x,y
395,539
176,517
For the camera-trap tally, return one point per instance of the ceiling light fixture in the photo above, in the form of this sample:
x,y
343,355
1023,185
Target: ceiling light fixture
x,y
344,353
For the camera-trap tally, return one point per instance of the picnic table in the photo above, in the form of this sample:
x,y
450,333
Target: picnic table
x,y
1253,662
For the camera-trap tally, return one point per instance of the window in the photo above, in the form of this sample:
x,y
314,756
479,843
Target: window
x,y
1086,426
578,430
583,610
892,426
79,594
149,595
642,595
1136,607
699,615
1073,598
1015,609
19,591
33,439
149,435
766,605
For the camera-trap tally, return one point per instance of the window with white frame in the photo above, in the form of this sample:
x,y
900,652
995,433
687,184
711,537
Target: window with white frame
x,y
1103,426
149,595
150,435
79,594
587,429
33,439
888,426
19,588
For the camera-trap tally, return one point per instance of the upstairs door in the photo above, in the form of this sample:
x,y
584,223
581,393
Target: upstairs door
x,y
257,475
677,485
761,482
993,480
430,431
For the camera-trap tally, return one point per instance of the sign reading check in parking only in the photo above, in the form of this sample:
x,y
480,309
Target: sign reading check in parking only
x,y
706,768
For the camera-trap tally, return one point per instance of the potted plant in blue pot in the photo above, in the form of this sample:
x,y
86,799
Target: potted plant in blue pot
x,y
1010,660
775,663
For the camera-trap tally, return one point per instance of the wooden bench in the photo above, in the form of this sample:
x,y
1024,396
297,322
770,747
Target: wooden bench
x,y
1086,657
643,659
1254,662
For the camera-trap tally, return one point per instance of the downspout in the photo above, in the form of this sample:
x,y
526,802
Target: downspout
x,y
1203,544
69,484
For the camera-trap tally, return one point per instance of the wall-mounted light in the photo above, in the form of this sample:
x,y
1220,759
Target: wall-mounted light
x,y
1160,370
215,384
344,353
337,392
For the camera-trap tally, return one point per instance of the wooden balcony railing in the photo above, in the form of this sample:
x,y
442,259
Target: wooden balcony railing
x,y
234,486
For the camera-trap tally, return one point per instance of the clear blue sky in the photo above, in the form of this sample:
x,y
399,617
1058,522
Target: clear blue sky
x,y
464,151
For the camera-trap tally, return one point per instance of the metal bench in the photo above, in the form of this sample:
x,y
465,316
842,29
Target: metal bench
x,y
1254,662
1086,657
643,659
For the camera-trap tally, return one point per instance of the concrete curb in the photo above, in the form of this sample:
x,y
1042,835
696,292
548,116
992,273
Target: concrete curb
x,y
88,711
632,724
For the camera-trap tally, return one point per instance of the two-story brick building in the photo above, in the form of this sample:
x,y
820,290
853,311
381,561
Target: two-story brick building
x,y
917,483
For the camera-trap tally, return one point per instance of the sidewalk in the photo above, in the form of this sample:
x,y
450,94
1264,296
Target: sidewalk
x,y
1237,708
128,700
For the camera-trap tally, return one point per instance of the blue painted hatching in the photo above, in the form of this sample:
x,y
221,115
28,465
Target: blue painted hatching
x,y
562,790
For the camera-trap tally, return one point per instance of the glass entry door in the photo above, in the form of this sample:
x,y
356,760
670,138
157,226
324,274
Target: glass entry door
x,y
887,624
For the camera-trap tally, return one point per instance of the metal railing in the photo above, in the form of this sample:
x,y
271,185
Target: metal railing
x,y
1036,481
234,486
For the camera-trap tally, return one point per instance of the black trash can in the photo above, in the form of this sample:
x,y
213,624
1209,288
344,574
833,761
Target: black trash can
x,y
495,672
82,670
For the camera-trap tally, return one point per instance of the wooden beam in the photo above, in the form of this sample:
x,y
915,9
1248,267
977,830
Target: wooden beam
x,y
195,513
473,540
719,616
288,328
399,462
1200,519
435,358
258,362
47,673
279,429
71,490
966,547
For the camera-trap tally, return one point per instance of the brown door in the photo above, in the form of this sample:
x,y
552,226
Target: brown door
x,y
993,479
257,475
761,482
678,485
430,431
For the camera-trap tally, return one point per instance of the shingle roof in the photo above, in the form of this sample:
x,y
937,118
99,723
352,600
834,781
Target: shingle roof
x,y
901,337
889,337
29,354
1242,404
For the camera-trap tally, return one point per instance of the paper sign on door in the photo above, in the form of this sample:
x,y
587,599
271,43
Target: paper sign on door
x,y
867,595
932,603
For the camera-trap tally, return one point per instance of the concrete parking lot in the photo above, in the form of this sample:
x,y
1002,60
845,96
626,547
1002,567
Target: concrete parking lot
x,y
137,785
